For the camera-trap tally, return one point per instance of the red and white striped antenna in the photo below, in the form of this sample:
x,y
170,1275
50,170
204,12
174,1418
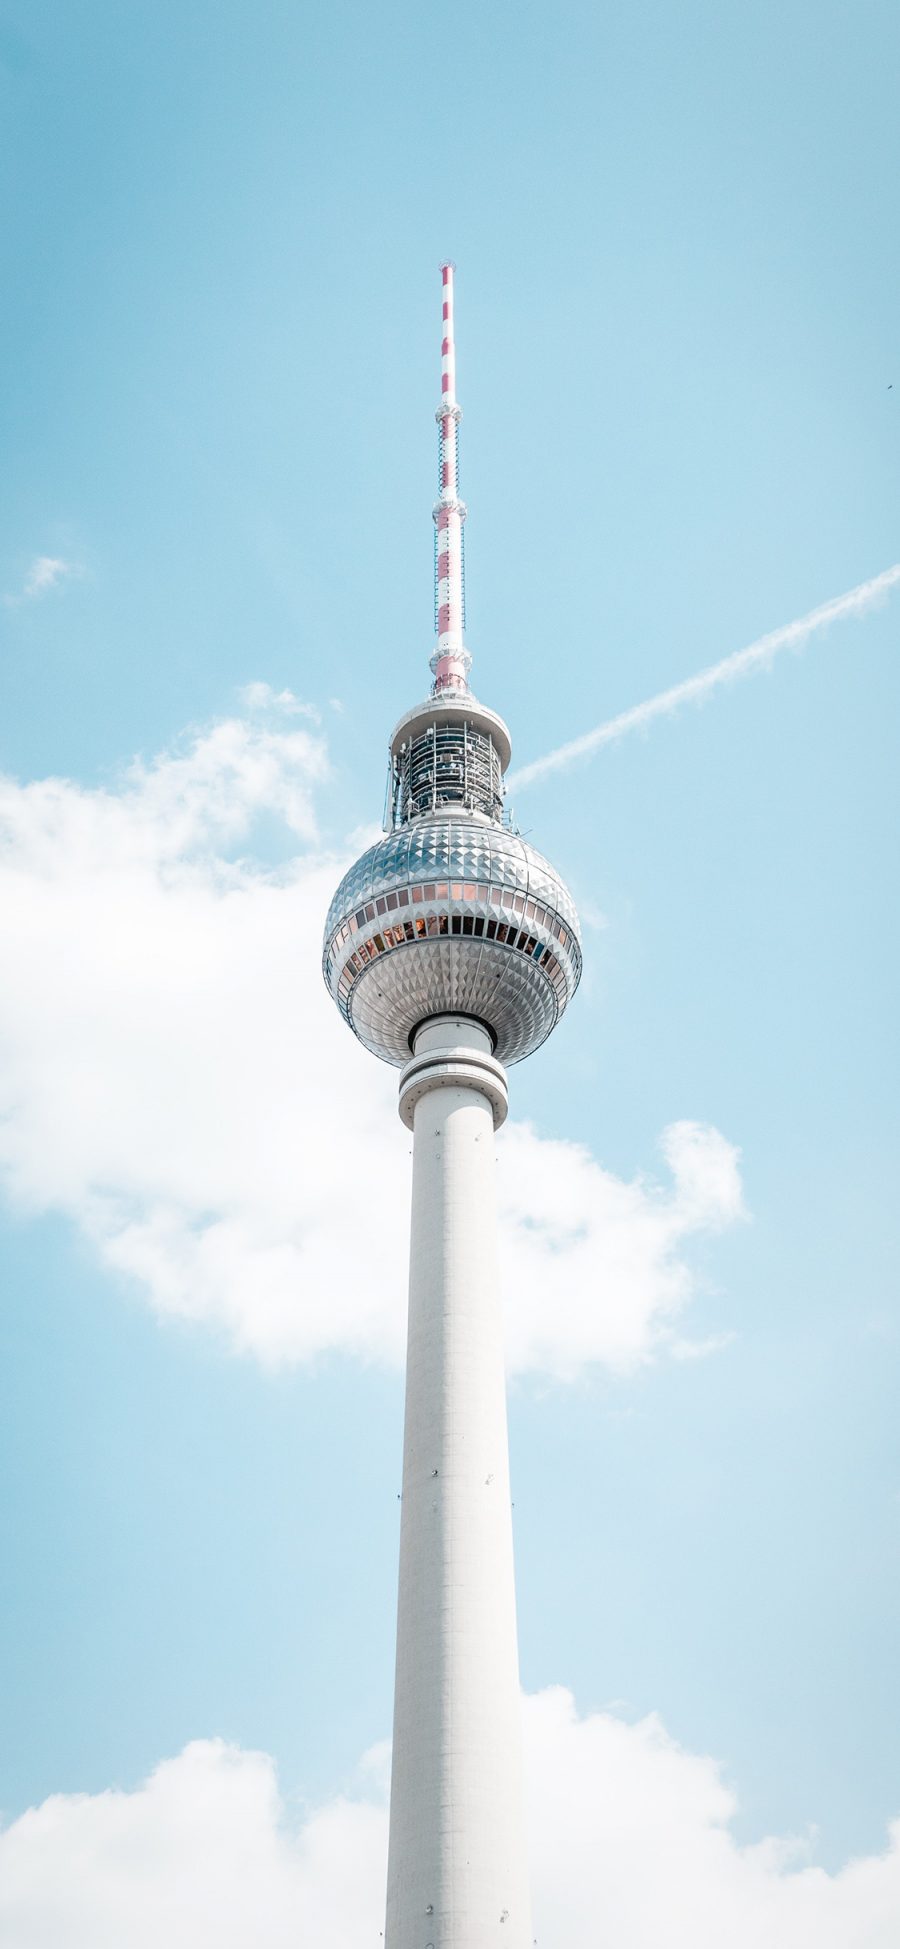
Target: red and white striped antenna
x,y
451,660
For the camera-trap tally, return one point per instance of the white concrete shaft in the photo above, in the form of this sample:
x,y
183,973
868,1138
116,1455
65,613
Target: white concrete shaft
x,y
457,1871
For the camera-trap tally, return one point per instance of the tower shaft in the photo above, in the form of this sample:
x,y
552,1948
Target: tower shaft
x,y
457,1874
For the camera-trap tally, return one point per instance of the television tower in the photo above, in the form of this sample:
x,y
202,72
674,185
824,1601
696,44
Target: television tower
x,y
451,949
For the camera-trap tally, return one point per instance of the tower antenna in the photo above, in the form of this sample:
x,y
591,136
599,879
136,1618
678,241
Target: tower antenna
x,y
451,661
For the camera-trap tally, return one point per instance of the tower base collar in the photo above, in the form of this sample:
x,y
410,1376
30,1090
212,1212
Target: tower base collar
x,y
453,1051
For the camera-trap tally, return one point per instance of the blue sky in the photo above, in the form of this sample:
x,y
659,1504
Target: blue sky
x,y
677,306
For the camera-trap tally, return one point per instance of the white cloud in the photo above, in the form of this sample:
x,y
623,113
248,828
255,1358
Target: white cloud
x,y
45,572
174,1078
202,1854
596,1262
632,1845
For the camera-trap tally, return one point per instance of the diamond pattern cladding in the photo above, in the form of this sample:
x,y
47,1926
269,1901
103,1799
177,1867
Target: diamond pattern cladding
x,y
450,849
452,914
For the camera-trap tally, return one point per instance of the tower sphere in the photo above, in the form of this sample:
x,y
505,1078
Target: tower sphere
x,y
453,912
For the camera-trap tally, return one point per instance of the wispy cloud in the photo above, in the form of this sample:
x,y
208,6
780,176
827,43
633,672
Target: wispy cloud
x,y
740,663
259,698
44,573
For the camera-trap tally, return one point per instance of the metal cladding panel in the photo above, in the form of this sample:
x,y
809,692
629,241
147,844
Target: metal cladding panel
x,y
471,978
450,849
452,914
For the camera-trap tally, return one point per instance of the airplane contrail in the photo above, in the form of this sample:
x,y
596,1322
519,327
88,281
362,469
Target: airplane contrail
x,y
854,603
